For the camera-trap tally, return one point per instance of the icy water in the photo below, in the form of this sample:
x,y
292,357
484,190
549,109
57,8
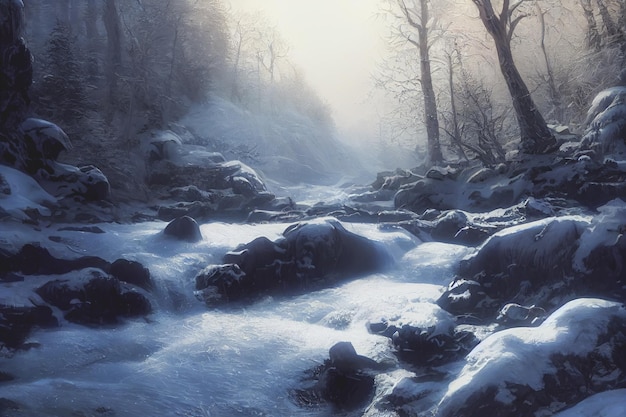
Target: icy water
x,y
191,360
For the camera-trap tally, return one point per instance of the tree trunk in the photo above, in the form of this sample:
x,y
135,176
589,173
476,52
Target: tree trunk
x,y
456,132
114,53
535,136
428,92
430,104
555,95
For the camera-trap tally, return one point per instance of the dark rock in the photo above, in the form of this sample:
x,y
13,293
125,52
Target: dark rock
x,y
5,187
16,323
7,405
515,315
4,377
92,184
343,356
428,346
340,380
326,248
468,299
218,283
184,228
36,260
60,293
48,140
97,299
134,304
448,225
131,272
192,193
394,180
606,270
516,266
346,391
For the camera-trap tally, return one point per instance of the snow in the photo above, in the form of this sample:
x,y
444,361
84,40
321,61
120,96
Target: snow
x,y
522,355
26,193
605,229
604,404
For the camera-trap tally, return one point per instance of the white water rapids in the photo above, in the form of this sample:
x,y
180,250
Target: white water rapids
x,y
191,360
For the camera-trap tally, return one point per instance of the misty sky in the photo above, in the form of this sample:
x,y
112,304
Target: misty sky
x,y
336,44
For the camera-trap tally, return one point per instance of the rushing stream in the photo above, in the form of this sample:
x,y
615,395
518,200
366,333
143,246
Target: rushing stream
x,y
191,360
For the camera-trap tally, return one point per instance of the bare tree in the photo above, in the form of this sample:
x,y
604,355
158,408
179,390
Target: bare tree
x,y
454,130
535,136
418,20
556,98
474,123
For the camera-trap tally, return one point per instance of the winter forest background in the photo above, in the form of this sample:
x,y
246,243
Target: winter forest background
x,y
188,226
107,73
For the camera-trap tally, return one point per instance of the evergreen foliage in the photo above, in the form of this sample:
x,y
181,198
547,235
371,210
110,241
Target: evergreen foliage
x,y
60,93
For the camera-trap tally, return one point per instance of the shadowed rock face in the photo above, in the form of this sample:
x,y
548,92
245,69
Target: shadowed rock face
x,y
104,293
184,228
345,380
16,323
310,256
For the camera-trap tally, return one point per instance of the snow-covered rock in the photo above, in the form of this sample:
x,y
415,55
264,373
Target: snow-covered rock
x,y
543,263
201,184
309,256
517,264
575,353
21,193
606,124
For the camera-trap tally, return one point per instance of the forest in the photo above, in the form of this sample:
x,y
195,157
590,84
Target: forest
x,y
184,231
124,69
111,73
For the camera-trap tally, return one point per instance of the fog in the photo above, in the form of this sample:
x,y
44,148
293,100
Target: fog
x,y
337,46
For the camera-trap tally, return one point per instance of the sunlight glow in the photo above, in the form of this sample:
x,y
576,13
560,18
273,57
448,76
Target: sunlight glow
x,y
336,44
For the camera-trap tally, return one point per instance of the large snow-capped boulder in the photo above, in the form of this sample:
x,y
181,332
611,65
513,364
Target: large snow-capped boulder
x,y
516,264
543,264
311,255
577,352
95,298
